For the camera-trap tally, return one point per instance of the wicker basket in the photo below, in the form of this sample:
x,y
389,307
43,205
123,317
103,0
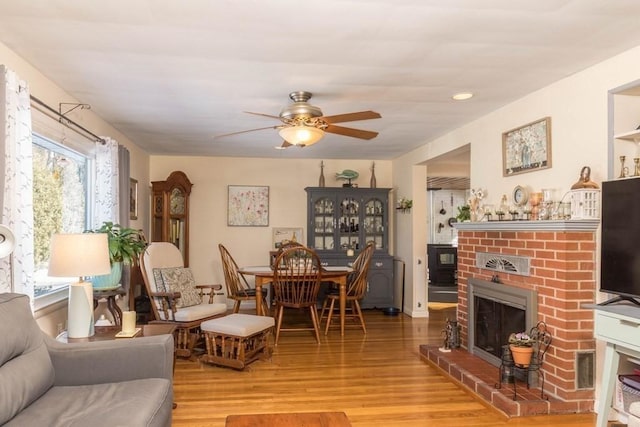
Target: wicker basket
x,y
629,395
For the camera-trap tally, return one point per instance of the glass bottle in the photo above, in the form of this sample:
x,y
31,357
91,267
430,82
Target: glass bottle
x,y
321,179
372,183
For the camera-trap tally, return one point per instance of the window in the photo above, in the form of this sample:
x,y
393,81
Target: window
x,y
61,204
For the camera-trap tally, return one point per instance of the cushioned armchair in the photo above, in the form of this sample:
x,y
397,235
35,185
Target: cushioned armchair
x,y
108,383
175,297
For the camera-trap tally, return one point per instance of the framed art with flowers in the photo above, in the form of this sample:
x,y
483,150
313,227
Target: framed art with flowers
x,y
248,206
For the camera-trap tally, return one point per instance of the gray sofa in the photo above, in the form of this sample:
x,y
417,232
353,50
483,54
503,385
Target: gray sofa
x,y
108,383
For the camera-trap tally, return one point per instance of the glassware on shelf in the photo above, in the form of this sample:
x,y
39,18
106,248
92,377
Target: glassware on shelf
x,y
514,213
534,202
488,212
547,204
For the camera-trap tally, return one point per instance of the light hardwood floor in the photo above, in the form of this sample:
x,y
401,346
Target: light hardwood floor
x,y
377,379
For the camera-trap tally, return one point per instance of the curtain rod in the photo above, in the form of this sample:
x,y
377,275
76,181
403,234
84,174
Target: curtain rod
x,y
67,122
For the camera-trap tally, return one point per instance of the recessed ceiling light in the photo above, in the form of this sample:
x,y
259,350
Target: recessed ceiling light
x,y
462,96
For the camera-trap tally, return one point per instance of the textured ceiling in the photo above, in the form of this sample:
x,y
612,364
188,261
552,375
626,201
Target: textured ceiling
x,y
173,74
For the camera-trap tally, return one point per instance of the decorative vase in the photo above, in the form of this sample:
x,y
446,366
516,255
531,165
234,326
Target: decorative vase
x,y
108,281
372,183
321,179
521,355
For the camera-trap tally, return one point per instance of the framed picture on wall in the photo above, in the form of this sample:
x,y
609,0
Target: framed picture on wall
x,y
133,198
248,206
527,148
282,235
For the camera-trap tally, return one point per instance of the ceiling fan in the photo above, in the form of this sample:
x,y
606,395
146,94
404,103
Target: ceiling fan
x,y
304,124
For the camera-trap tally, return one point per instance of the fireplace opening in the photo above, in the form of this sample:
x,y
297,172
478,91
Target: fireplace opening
x,y
495,311
494,321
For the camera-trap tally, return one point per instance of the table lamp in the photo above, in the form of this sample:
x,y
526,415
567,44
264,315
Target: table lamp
x,y
7,245
79,255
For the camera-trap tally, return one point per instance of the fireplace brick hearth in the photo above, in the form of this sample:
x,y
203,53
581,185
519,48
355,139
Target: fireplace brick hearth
x,y
562,272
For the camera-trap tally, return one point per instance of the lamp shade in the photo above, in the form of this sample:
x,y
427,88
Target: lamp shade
x,y
301,135
7,241
81,254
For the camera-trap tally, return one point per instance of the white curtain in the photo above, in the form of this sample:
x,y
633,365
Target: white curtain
x,y
107,194
17,197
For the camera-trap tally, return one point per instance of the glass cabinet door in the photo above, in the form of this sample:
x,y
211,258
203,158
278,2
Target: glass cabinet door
x,y
374,222
349,223
324,223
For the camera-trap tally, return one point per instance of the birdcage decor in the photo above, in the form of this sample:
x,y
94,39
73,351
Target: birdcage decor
x,y
585,203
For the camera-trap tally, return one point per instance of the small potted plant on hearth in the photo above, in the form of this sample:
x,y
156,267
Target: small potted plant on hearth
x,y
521,346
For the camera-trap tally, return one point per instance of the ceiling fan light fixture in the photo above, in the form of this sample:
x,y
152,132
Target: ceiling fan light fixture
x,y
302,136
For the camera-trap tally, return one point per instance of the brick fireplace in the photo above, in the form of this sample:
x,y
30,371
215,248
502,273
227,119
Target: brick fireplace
x,y
562,273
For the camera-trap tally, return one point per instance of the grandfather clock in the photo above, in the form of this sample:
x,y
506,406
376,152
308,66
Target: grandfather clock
x,y
170,221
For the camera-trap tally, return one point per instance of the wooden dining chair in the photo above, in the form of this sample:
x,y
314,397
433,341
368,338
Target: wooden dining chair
x,y
284,246
296,282
356,288
238,289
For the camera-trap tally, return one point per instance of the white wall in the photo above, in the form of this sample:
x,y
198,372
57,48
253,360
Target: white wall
x,y
286,179
438,224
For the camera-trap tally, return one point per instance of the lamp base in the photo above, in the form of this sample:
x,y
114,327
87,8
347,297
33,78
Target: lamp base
x,y
80,315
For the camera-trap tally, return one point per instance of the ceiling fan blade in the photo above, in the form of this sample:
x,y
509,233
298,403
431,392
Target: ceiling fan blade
x,y
245,131
262,114
352,117
286,144
354,133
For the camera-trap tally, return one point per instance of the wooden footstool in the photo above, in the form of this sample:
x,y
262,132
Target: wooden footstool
x,y
237,339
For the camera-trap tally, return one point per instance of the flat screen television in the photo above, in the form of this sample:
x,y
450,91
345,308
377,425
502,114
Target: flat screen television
x,y
620,241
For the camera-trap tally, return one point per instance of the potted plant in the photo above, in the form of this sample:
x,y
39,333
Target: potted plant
x,y
464,213
404,204
125,246
521,346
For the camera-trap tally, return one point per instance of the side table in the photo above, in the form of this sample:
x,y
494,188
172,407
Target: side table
x,y
112,306
619,327
106,333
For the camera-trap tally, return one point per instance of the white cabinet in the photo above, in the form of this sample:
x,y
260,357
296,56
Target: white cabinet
x,y
619,327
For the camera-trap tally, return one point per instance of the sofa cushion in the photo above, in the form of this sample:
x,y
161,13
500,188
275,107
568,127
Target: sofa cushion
x,y
26,371
129,403
180,279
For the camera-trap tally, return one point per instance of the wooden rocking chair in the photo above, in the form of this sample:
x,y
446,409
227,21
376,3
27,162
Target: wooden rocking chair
x,y
175,298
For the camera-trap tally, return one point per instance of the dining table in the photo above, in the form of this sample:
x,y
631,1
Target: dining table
x,y
335,274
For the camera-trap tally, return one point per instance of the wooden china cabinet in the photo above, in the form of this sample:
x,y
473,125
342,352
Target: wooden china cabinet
x,y
170,220
341,221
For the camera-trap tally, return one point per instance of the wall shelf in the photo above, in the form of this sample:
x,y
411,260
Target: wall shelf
x,y
634,136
